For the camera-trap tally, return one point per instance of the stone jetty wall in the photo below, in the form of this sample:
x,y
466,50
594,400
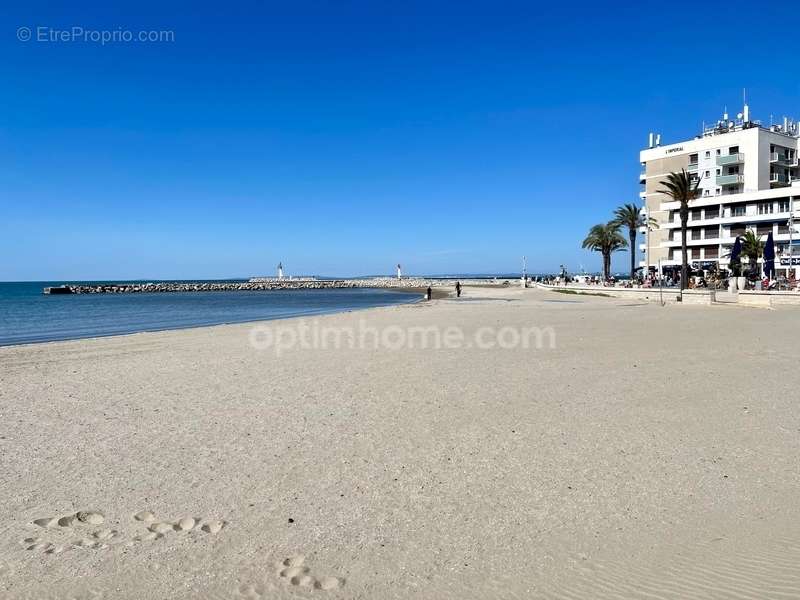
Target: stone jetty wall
x,y
265,285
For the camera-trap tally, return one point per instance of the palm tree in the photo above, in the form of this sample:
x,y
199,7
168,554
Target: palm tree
x,y
753,249
605,239
630,216
681,188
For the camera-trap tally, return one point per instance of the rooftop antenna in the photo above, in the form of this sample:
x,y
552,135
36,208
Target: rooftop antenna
x,y
746,111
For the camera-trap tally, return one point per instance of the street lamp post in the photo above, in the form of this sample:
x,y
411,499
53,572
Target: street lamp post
x,y
524,272
646,241
791,228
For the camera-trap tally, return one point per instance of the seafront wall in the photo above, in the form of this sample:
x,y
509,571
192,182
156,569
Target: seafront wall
x,y
644,294
767,299
744,298
265,285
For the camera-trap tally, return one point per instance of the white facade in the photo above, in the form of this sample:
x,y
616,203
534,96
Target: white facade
x,y
749,179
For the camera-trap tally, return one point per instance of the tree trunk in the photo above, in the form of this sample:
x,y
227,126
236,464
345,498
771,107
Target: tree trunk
x,y
633,252
684,251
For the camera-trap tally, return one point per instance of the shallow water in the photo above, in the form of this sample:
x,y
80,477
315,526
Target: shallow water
x,y
27,315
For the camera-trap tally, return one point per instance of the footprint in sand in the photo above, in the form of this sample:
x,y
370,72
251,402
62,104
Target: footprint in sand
x,y
213,526
80,523
60,526
161,527
294,570
82,517
35,544
105,534
89,544
253,591
145,516
184,524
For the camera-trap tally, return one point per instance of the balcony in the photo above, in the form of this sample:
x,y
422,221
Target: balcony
x,y
692,167
730,159
779,179
782,159
730,179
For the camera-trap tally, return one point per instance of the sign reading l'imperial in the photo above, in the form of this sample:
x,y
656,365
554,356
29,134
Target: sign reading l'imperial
x,y
677,149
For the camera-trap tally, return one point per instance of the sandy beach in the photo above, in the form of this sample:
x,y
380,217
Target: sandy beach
x,y
649,452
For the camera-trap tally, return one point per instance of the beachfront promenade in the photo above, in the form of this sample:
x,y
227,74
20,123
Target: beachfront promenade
x,y
639,451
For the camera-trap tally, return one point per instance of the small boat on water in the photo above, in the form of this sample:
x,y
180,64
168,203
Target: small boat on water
x,y
59,289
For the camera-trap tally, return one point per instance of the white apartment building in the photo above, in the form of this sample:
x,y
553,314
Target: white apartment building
x,y
749,179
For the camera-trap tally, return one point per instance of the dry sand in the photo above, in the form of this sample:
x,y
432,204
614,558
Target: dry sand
x,y
653,453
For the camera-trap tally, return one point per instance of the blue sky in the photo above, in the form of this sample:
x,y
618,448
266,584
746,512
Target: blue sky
x,y
343,137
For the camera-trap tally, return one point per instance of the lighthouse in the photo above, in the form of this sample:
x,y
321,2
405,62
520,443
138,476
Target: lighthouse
x,y
280,271
399,271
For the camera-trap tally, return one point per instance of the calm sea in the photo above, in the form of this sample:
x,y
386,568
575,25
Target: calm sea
x,y
26,315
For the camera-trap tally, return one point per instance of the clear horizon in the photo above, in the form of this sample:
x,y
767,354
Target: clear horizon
x,y
506,274
347,138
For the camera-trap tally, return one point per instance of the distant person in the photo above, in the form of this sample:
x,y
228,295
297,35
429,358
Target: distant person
x,y
458,289
429,293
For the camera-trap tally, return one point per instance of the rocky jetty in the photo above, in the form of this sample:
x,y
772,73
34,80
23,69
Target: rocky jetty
x,y
257,285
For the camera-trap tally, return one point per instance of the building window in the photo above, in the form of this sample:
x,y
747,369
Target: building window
x,y
765,208
783,229
763,229
695,234
733,150
719,172
712,213
707,174
695,252
711,233
783,206
718,192
696,214
708,154
719,151
738,211
693,159
712,252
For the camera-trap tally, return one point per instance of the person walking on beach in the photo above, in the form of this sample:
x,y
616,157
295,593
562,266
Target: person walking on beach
x,y
458,289
429,293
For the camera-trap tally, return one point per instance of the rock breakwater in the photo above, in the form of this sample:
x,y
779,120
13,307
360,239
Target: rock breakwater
x,y
253,285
